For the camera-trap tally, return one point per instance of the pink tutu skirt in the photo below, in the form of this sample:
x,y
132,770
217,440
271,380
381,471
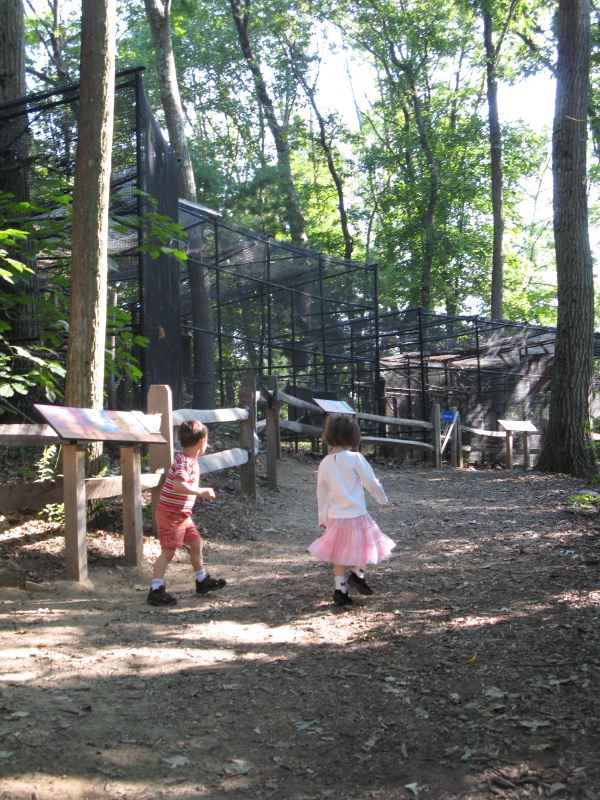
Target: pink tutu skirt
x,y
356,541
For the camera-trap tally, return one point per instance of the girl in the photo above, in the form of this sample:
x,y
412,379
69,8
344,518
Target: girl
x,y
351,537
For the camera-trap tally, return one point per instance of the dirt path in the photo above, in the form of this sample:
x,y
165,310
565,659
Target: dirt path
x,y
472,673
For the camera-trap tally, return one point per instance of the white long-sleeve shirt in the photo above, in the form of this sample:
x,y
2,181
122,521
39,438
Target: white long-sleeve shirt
x,y
340,482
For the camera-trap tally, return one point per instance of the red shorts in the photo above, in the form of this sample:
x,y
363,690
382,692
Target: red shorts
x,y
174,528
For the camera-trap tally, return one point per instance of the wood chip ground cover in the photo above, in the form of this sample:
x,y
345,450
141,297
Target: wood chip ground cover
x,y
472,673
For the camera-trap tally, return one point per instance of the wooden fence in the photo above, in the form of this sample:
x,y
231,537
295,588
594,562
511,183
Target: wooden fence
x,y
438,439
74,489
161,455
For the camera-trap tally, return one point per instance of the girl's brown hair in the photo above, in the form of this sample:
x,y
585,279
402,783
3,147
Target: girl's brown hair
x,y
341,430
191,432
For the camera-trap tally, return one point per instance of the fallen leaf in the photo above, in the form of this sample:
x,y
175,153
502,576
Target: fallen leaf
x,y
176,761
533,724
556,788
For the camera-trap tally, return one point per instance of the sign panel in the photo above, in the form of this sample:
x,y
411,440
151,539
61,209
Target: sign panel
x,y
516,425
334,406
93,425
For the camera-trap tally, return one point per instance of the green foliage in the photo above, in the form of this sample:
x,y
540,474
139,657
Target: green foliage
x,y
585,500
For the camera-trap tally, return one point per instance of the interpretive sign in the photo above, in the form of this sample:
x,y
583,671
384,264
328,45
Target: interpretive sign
x,y
93,425
334,406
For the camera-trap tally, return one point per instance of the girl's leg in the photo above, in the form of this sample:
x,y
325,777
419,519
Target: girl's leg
x,y
340,595
339,577
357,579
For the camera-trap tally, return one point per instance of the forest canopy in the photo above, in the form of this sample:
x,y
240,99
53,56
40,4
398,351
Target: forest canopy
x,y
403,178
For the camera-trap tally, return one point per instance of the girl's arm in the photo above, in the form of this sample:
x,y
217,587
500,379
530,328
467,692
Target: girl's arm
x,y
370,482
322,499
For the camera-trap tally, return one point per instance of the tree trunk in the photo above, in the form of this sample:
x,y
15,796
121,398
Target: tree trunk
x,y
201,307
293,213
333,171
567,445
495,168
13,145
87,325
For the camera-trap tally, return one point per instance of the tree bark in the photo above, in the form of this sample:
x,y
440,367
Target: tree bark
x,y
567,445
13,147
158,14
495,168
293,215
89,271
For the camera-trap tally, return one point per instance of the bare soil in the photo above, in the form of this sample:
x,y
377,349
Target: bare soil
x,y
473,671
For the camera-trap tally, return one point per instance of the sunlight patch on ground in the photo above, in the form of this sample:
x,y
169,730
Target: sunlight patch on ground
x,y
237,634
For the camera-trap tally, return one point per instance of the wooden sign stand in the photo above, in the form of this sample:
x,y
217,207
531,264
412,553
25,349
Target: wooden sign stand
x,y
76,427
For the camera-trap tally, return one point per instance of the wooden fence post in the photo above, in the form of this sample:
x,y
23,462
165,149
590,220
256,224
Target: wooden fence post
x,y
272,432
132,505
73,456
526,452
247,435
456,441
436,435
160,401
509,449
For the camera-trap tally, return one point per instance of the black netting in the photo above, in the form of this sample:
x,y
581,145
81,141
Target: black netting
x,y
285,310
38,138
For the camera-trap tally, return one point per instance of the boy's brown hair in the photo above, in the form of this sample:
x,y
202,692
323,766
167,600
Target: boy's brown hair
x,y
192,432
341,430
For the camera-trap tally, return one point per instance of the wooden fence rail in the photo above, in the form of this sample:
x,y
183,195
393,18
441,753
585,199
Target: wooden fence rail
x,y
161,455
274,423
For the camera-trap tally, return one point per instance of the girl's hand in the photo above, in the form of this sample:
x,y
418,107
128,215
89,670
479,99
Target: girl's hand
x,y
321,525
207,493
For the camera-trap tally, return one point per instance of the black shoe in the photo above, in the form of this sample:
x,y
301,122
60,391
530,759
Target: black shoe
x,y
210,585
160,597
360,584
342,598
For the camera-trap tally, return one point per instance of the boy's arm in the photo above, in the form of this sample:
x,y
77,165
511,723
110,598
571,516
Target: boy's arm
x,y
181,486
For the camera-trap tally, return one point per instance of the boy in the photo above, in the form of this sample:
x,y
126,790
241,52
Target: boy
x,y
173,515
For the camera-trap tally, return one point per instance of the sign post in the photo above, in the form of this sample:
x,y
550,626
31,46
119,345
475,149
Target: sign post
x,y
77,426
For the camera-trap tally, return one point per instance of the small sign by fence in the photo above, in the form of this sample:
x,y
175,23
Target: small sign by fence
x,y
334,406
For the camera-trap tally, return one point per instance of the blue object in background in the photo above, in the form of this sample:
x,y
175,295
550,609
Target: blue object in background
x,y
447,416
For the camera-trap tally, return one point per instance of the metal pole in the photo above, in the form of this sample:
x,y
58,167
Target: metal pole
x,y
377,375
219,325
323,337
421,349
478,358
269,344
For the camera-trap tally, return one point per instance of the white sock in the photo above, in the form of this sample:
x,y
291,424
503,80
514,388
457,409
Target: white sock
x,y
340,583
360,571
201,574
157,583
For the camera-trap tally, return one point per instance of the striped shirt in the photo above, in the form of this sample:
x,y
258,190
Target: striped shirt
x,y
187,470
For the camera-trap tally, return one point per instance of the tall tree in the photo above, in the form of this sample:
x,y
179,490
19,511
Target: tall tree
x,y
567,445
89,270
159,15
12,85
294,215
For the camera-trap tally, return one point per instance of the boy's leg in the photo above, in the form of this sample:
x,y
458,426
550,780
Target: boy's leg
x,y
196,547
204,582
162,562
158,596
